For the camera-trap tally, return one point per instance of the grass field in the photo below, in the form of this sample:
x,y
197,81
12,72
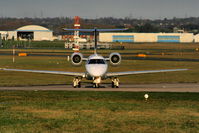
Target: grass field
x,y
60,63
98,112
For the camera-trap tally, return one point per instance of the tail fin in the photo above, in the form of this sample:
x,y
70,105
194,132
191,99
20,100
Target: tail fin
x,y
96,31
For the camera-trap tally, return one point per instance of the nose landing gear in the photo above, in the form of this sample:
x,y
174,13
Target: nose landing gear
x,y
96,82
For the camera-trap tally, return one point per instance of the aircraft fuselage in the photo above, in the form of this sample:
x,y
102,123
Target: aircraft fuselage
x,y
96,66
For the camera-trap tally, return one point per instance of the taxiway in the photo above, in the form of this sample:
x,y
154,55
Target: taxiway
x,y
185,87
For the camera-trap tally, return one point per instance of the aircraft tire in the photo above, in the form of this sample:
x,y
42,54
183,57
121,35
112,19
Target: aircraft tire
x,y
96,85
113,86
79,85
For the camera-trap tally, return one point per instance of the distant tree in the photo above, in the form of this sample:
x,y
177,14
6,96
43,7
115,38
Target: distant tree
x,y
56,24
146,28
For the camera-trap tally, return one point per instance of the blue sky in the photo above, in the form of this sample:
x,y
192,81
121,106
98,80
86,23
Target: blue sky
x,y
152,9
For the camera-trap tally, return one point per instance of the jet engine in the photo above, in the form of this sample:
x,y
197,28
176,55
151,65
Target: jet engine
x,y
76,59
115,59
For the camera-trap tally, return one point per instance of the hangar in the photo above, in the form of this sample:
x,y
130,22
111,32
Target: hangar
x,y
30,32
34,32
147,37
196,38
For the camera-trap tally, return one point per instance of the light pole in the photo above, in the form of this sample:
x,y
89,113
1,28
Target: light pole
x,y
13,53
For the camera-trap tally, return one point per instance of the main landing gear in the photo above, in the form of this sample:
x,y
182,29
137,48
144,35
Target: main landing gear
x,y
77,82
96,82
115,83
95,85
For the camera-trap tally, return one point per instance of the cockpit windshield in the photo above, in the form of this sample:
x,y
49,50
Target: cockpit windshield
x,y
96,61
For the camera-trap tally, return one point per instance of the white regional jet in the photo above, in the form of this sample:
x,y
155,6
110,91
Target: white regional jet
x,y
96,66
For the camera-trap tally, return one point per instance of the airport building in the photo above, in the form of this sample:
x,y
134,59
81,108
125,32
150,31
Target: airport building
x,y
147,37
39,33
83,36
32,32
196,38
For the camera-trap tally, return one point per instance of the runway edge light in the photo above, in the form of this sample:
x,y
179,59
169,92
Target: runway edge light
x,y
146,96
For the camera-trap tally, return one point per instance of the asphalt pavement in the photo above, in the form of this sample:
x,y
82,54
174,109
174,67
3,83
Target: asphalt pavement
x,y
185,87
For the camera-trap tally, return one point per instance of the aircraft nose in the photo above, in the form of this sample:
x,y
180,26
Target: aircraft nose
x,y
96,71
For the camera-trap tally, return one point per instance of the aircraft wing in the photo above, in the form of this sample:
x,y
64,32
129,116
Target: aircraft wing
x,y
115,74
79,74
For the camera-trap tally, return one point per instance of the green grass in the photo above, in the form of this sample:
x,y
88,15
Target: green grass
x,y
61,64
100,112
34,44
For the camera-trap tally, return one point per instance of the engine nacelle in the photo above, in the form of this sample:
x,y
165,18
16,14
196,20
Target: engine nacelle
x,y
76,59
115,59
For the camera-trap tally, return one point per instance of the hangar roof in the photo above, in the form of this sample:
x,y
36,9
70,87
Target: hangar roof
x,y
33,28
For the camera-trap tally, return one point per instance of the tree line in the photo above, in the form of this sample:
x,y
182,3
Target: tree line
x,y
134,25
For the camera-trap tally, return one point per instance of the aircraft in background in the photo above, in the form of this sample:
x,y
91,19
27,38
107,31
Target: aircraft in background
x,y
96,65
